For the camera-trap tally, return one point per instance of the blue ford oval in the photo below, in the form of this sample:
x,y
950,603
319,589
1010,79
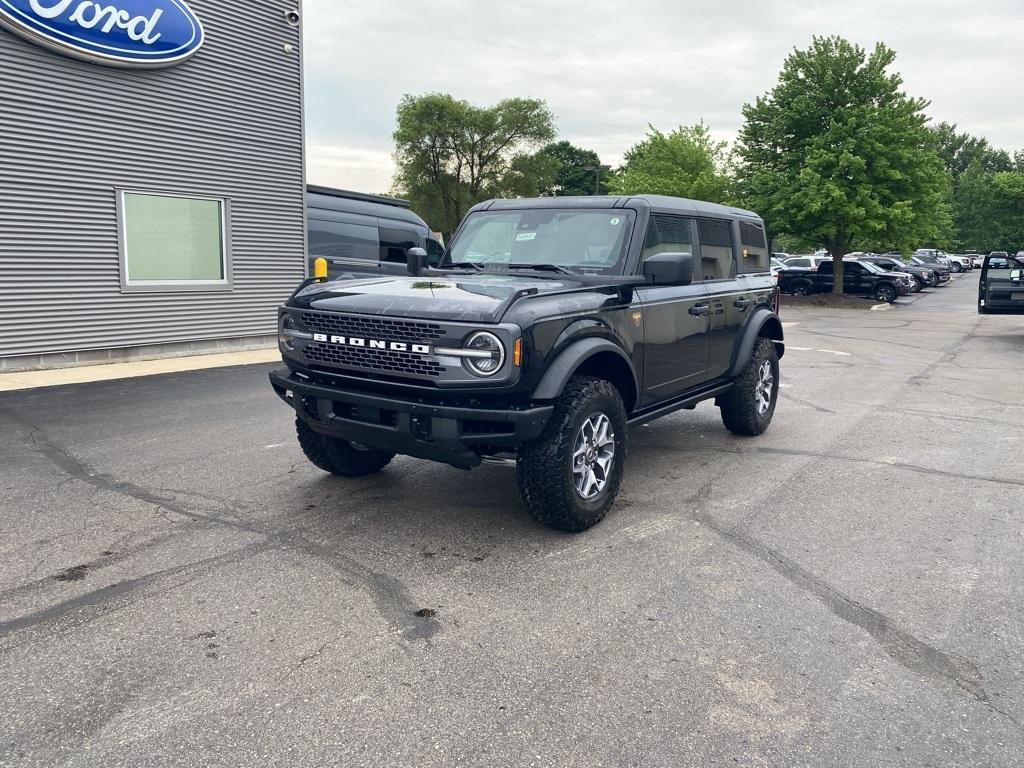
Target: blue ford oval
x,y
125,33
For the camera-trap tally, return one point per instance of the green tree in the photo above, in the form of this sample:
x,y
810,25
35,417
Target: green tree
x,y
974,204
1009,210
960,150
571,174
684,163
451,154
837,153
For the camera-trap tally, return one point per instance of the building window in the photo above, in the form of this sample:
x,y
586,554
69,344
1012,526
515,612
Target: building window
x,y
173,242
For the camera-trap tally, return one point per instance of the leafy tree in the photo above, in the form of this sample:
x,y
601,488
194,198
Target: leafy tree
x,y
684,163
960,150
571,174
837,153
1009,210
974,203
451,154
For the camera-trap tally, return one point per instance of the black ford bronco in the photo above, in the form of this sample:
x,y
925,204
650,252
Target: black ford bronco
x,y
546,329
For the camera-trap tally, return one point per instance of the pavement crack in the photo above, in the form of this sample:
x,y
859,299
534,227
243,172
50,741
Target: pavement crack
x,y
906,649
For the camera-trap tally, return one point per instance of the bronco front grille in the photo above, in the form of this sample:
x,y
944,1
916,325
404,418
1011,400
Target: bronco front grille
x,y
372,327
383,361
373,360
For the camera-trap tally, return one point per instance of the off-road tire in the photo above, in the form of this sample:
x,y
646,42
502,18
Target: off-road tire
x,y
739,405
340,457
885,293
544,469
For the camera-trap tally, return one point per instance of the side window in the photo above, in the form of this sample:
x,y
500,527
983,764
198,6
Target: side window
x,y
434,252
799,262
754,251
853,268
341,240
668,234
396,241
716,249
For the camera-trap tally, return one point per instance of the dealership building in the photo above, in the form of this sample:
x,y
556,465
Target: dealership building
x,y
151,177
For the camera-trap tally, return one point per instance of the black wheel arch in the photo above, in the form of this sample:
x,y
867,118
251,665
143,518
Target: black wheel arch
x,y
762,323
592,356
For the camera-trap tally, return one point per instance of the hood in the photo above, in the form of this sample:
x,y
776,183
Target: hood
x,y
473,298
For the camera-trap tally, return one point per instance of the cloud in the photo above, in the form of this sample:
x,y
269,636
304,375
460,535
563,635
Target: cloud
x,y
608,69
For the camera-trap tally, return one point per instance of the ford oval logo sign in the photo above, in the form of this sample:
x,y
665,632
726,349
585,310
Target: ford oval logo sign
x,y
122,33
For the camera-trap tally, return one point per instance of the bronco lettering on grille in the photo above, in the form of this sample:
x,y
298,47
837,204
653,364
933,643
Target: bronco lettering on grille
x,y
391,346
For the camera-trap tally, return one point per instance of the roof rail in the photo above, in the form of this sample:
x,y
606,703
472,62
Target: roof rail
x,y
364,196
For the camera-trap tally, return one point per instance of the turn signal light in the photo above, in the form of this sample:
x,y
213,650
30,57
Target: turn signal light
x,y
517,353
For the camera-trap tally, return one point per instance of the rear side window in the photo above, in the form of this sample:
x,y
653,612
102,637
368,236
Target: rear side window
x,y
798,262
342,240
716,249
754,248
668,234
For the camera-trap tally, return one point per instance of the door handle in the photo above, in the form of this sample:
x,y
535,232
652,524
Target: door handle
x,y
742,303
700,309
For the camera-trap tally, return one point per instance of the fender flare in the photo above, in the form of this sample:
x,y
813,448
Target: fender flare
x,y
568,362
763,322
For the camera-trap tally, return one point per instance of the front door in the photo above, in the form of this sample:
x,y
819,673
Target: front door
x,y
676,317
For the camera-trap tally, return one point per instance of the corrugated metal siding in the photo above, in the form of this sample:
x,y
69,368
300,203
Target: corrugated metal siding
x,y
226,123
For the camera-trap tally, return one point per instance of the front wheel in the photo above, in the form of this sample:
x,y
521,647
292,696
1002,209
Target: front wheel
x,y
570,475
748,407
956,266
885,293
340,457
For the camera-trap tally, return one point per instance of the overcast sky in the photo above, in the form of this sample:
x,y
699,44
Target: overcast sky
x,y
607,69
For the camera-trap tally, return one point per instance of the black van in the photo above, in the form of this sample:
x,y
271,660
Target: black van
x,y
360,233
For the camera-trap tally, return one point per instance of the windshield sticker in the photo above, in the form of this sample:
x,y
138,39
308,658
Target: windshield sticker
x,y
526,236
615,222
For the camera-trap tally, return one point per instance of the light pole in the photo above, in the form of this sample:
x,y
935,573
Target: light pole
x,y
596,170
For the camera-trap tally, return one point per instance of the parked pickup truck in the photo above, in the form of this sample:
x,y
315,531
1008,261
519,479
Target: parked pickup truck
x,y
1001,287
859,279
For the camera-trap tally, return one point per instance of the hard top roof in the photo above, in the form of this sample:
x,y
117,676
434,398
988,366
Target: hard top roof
x,y
327,198
656,203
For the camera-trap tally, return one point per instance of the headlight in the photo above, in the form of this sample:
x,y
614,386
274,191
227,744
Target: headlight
x,y
489,354
290,330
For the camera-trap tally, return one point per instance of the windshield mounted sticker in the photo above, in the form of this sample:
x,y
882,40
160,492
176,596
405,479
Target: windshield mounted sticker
x,y
522,236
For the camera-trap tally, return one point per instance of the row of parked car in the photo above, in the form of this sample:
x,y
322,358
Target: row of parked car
x,y
883,277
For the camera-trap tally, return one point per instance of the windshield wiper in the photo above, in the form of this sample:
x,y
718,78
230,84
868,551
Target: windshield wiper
x,y
543,268
464,265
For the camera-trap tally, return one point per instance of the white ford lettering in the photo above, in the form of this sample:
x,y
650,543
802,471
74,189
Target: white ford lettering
x,y
88,15
393,346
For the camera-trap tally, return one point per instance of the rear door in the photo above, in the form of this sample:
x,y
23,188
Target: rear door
x,y
1001,287
675,317
731,292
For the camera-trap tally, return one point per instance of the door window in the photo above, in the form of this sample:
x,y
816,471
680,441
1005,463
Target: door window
x,y
668,234
342,240
395,243
716,250
754,251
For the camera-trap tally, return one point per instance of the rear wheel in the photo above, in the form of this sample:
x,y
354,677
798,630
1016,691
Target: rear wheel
x,y
340,457
885,293
802,289
569,477
747,408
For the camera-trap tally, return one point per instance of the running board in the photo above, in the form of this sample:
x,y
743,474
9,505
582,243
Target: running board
x,y
688,400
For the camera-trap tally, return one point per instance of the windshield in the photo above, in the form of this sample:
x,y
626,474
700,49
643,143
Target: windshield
x,y
578,240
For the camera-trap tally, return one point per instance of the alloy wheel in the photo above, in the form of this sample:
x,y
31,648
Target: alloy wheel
x,y
593,456
764,387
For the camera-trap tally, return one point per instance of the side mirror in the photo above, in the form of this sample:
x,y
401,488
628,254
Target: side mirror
x,y
415,261
669,268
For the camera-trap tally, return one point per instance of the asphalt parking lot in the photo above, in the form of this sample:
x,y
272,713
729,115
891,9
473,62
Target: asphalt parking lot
x,y
178,587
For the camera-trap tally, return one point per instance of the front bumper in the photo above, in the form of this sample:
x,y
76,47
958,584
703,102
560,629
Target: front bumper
x,y
413,427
